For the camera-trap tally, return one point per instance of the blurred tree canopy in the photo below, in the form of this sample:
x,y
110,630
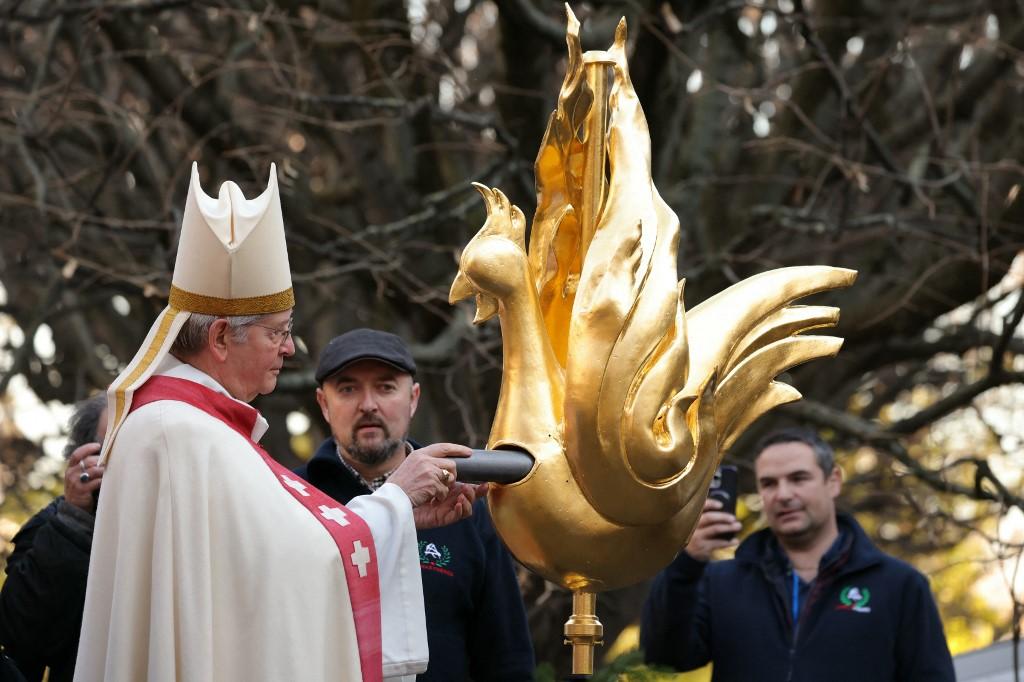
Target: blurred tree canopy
x,y
884,136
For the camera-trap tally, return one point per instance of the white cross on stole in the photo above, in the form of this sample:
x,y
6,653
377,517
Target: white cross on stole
x,y
334,514
360,557
294,485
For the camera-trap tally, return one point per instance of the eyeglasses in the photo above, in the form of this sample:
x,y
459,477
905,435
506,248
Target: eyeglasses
x,y
278,336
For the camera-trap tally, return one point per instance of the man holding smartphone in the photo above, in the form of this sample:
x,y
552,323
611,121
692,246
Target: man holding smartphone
x,y
808,598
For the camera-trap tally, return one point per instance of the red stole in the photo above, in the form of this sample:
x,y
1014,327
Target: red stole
x,y
349,532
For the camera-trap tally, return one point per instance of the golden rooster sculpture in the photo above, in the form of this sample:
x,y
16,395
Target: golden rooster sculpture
x,y
624,399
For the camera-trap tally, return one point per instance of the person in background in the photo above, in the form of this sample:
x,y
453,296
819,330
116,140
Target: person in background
x,y
42,598
808,598
476,622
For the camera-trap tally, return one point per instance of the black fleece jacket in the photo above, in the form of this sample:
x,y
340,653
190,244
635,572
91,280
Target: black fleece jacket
x,y
867,616
476,622
43,596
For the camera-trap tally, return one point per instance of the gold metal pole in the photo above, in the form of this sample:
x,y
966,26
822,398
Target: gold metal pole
x,y
583,631
594,158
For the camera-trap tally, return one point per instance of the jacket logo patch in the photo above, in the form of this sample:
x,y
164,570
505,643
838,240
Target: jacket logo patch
x,y
854,599
435,557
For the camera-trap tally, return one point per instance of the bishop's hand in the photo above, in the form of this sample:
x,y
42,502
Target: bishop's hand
x,y
455,505
428,474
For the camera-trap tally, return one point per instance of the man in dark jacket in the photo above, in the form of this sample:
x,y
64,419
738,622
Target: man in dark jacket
x,y
43,596
807,599
476,623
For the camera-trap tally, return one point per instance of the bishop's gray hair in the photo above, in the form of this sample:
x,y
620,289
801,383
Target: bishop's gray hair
x,y
196,330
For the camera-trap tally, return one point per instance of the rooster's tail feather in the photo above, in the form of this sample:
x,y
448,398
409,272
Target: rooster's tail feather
x,y
751,382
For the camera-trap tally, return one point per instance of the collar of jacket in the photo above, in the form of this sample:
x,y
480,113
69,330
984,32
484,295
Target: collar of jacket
x,y
857,552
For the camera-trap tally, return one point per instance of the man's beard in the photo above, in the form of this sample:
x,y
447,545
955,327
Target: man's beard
x,y
372,454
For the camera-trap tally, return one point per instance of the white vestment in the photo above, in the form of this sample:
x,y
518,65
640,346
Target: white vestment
x,y
204,568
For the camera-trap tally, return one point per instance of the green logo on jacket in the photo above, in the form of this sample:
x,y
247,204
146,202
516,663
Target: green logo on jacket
x,y
434,555
854,599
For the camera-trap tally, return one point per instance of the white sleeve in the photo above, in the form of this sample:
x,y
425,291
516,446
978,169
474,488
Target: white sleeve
x,y
388,513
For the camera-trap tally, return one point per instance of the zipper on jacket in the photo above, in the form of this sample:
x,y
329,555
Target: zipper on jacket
x,y
795,616
821,581
792,654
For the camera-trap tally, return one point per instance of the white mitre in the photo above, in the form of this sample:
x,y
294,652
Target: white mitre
x,y
232,260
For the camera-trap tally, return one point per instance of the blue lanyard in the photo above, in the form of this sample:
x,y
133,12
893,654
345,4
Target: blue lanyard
x,y
796,596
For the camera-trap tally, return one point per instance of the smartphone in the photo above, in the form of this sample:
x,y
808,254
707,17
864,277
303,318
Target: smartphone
x,y
723,489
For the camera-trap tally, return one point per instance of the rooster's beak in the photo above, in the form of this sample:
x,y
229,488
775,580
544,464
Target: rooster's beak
x,y
461,288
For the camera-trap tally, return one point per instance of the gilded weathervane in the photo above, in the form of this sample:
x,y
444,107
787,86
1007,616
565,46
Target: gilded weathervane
x,y
625,399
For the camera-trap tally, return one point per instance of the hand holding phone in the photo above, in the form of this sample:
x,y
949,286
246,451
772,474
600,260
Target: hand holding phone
x,y
723,489
716,528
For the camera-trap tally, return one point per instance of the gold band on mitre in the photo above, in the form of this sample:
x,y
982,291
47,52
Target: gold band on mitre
x,y
212,305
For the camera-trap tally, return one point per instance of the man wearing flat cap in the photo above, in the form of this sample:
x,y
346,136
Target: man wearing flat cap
x,y
476,623
210,561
